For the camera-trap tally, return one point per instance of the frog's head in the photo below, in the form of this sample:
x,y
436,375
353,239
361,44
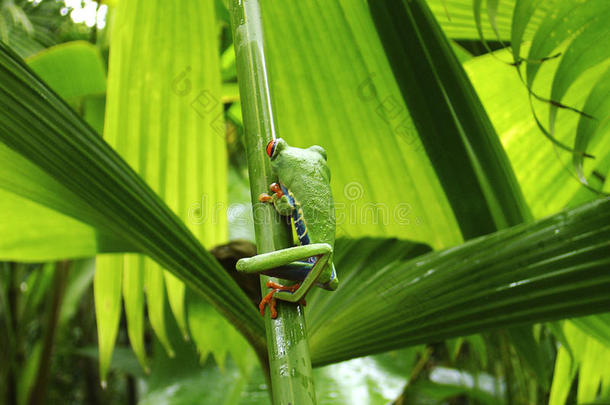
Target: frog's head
x,y
275,147
289,162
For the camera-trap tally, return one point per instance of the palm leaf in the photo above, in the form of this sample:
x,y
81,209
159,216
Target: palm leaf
x,y
169,94
552,269
577,30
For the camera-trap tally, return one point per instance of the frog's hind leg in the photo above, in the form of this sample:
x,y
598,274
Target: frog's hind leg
x,y
282,258
267,261
298,294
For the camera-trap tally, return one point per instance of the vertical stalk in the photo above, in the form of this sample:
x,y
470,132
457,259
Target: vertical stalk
x,y
60,280
289,360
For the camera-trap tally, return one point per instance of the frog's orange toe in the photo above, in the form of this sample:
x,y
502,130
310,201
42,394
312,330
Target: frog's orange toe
x,y
277,189
272,302
279,287
264,198
268,299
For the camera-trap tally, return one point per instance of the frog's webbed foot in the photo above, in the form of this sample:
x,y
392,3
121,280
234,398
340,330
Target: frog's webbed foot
x,y
264,197
277,194
283,205
272,302
276,189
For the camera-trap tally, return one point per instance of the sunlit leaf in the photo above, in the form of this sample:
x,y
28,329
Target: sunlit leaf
x,y
544,173
174,139
107,291
133,299
523,12
594,133
591,370
457,19
562,377
564,20
73,69
574,32
457,135
597,326
156,300
33,233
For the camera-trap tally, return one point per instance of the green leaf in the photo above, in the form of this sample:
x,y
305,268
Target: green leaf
x,y
578,30
593,367
184,379
562,377
457,19
133,299
357,261
593,131
34,233
588,49
446,383
155,298
212,334
563,21
477,345
369,380
522,14
543,175
94,109
522,338
107,291
37,124
585,356
80,280
42,234
27,375
597,326
73,69
175,294
552,269
458,137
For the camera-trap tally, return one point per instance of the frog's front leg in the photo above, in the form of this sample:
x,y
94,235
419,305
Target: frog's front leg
x,y
277,193
281,202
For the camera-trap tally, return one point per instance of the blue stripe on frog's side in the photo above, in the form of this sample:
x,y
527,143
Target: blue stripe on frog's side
x,y
297,217
301,229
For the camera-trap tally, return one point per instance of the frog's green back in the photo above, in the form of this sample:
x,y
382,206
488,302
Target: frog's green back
x,y
305,173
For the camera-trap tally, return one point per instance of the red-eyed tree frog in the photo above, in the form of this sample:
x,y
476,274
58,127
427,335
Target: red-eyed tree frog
x,y
304,194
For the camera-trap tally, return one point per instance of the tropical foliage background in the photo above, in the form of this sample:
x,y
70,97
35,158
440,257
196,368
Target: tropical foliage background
x,y
463,278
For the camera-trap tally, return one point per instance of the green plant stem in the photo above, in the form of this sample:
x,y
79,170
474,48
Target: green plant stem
x,y
60,280
289,360
12,313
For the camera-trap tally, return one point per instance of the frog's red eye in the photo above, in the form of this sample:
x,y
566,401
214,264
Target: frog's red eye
x,y
270,148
